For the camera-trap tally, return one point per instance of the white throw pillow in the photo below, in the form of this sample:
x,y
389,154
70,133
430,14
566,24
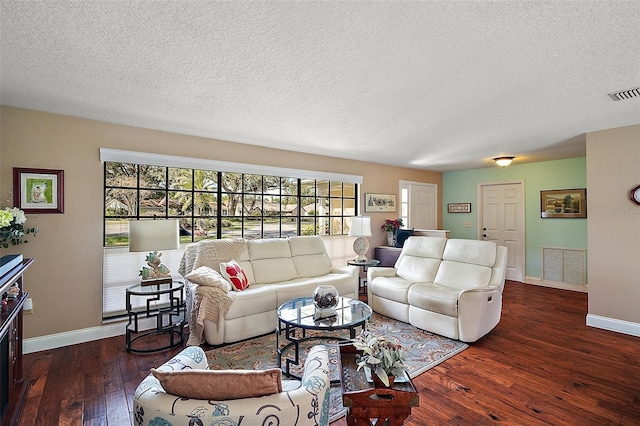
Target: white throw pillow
x,y
209,277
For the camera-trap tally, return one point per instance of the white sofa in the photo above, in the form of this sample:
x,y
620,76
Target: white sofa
x,y
299,404
451,287
278,270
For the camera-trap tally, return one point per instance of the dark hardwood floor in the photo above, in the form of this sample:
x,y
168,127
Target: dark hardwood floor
x,y
540,366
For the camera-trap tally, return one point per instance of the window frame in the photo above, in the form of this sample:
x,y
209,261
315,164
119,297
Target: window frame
x,y
334,220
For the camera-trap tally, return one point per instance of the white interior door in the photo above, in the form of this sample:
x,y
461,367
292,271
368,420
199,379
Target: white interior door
x,y
423,205
502,219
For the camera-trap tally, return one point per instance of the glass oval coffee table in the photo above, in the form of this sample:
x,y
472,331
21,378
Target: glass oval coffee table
x,y
298,316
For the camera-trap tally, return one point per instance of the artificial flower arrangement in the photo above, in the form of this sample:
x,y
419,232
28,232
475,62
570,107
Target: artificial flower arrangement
x,y
390,225
385,358
12,229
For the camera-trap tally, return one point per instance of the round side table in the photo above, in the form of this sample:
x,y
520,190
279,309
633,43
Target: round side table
x,y
169,312
364,264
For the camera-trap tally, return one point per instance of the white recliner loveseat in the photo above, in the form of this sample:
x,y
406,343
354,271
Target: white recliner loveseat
x,y
451,287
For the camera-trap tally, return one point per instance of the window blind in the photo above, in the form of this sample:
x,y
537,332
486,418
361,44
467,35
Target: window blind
x,y
150,159
120,270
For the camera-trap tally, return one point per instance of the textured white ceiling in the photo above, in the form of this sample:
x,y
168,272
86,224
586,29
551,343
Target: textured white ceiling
x,y
439,85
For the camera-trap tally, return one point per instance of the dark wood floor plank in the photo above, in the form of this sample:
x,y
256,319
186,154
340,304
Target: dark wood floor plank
x,y
94,396
96,422
38,370
71,412
541,365
117,408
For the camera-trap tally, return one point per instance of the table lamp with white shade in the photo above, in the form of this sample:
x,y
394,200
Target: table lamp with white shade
x,y
152,236
360,228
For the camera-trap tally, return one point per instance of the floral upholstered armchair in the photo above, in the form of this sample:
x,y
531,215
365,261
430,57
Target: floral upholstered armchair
x,y
304,404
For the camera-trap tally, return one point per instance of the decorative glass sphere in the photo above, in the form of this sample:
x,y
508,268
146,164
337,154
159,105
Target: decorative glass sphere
x,y
325,297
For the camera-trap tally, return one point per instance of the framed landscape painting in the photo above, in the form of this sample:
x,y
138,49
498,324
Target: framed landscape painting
x,y
379,203
38,190
563,203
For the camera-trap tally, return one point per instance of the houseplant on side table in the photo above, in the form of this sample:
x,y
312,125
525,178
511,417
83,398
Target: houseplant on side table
x,y
390,226
384,357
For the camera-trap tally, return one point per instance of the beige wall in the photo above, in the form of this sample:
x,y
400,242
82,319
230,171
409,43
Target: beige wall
x,y
613,169
66,279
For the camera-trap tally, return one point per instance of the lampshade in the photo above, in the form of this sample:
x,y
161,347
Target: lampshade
x,y
360,226
503,161
153,235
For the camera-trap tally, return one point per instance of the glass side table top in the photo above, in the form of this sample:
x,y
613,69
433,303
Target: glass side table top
x,y
144,290
301,312
368,262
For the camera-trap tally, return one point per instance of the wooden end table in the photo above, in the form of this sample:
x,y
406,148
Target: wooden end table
x,y
388,406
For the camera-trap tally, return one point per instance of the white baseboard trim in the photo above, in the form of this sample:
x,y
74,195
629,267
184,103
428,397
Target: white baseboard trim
x,y
556,284
612,324
74,337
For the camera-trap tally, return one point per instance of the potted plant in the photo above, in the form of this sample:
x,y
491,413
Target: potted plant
x,y
390,226
12,229
384,357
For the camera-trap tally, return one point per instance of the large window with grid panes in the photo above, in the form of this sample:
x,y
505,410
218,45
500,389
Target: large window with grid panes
x,y
214,204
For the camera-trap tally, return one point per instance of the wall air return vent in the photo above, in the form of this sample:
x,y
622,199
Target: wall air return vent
x,y
625,94
564,265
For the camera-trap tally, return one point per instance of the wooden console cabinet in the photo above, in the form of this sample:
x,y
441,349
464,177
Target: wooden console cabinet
x,y
387,255
13,387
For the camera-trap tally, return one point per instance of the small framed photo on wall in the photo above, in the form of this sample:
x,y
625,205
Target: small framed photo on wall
x,y
38,190
459,208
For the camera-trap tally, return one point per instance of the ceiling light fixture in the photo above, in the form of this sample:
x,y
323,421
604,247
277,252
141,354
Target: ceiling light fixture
x,y
503,161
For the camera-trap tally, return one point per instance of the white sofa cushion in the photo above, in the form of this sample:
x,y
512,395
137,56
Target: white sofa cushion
x,y
420,258
271,261
304,287
417,269
434,298
462,276
256,299
424,247
471,251
392,288
310,256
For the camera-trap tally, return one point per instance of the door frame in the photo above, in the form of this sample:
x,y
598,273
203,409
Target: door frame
x,y
521,255
409,184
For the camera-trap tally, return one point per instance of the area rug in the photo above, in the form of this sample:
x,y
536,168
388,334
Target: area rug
x,y
424,351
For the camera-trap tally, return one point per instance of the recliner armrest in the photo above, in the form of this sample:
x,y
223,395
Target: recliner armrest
x,y
351,270
479,310
479,293
380,271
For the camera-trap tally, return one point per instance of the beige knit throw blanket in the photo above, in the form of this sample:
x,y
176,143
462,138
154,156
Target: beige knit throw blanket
x,y
209,302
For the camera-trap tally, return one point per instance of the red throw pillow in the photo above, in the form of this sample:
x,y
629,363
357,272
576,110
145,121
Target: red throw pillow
x,y
233,273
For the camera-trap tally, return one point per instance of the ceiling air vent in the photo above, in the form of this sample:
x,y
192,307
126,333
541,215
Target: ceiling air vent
x,y
625,94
